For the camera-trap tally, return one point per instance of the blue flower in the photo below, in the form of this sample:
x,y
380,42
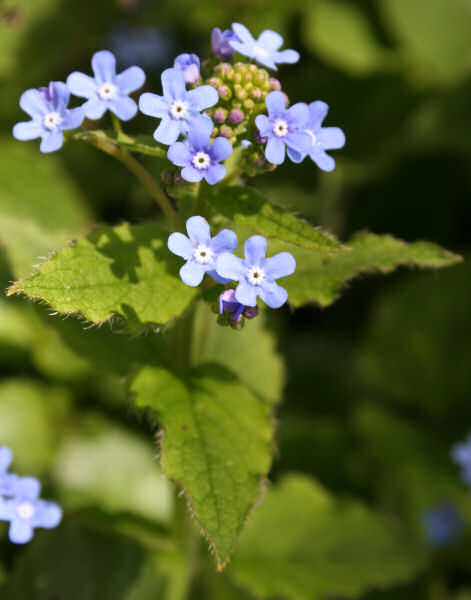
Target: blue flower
x,y
25,511
256,274
443,524
220,42
461,455
322,138
50,117
107,91
228,302
180,110
265,50
7,480
200,251
283,127
189,64
200,158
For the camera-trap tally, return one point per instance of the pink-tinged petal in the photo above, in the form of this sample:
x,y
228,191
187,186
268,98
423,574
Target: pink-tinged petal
x,y
81,85
255,249
104,66
130,80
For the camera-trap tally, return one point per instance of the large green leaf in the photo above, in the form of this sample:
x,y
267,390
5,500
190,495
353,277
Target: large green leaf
x,y
248,207
40,206
320,278
217,444
125,270
303,544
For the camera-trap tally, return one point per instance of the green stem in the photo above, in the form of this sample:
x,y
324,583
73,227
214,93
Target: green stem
x,y
116,123
232,176
201,204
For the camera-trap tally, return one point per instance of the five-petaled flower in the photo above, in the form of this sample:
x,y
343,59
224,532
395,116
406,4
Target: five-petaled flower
x,y
220,42
189,64
179,109
283,128
107,91
47,108
200,250
256,274
322,138
200,157
265,50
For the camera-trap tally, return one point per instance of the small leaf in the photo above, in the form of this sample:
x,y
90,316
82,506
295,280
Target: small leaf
x,y
125,270
217,444
303,544
320,278
141,144
248,207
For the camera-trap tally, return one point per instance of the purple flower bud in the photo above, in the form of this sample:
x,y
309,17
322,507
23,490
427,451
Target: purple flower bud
x,y
236,116
224,92
220,42
226,131
258,138
250,312
275,84
47,92
220,115
167,176
228,302
190,65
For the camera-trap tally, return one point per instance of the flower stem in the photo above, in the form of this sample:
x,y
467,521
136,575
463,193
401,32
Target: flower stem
x,y
116,123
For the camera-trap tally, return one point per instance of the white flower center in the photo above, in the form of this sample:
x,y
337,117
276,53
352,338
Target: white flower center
x,y
25,510
201,160
179,109
280,128
313,137
203,254
259,52
107,91
256,275
52,120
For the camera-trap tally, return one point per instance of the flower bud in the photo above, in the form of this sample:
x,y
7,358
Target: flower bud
x,y
250,312
275,85
240,92
167,176
236,116
248,104
224,92
220,115
261,78
215,82
189,64
226,131
256,93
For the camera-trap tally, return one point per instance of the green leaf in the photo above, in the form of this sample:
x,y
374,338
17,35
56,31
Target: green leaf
x,y
217,444
141,144
40,206
125,270
320,278
303,544
248,207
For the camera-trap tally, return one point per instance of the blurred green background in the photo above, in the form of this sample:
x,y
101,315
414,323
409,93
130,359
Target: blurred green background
x,y
377,386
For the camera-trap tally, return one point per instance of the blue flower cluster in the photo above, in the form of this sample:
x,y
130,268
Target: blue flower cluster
x,y
255,274
20,504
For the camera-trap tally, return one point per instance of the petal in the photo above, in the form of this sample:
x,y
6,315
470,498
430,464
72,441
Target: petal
x,y
192,175
192,273
179,154
81,85
264,125
224,241
199,138
168,131
241,48
198,230
246,294
203,97
130,80
273,294
317,113
286,57
243,33
7,509
123,107
21,532
60,95
201,124
94,108
230,266
173,84
280,265
73,118
298,115
33,103
180,245
295,155
27,130
220,149
255,248
276,103
331,138
266,60
6,456
28,488
153,105
215,173
52,141
104,66
270,40
275,151
48,515
217,277
322,159
9,485
299,141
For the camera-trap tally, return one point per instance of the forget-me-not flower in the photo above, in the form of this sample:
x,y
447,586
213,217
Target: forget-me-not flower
x,y
322,138
200,157
283,127
200,250
26,511
443,524
49,114
461,455
107,91
256,274
179,109
265,50
189,64
220,42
